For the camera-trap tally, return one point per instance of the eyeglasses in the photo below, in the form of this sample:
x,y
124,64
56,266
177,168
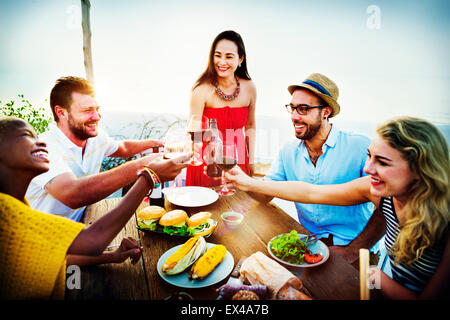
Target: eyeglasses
x,y
301,109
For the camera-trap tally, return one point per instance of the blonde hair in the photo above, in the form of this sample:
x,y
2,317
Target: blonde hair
x,y
427,209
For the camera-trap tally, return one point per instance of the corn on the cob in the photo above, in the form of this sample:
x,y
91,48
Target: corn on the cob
x,y
208,262
186,255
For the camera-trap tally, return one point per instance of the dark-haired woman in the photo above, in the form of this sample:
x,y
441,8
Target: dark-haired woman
x,y
225,92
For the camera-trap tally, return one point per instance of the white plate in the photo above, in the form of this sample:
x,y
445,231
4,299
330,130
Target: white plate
x,y
191,196
182,279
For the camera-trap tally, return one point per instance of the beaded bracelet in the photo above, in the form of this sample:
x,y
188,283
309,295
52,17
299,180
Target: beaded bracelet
x,y
149,178
154,176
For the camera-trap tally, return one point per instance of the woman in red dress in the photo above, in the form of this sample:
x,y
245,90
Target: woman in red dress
x,y
226,93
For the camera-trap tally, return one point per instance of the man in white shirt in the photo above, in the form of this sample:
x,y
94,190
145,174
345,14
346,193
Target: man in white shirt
x,y
77,147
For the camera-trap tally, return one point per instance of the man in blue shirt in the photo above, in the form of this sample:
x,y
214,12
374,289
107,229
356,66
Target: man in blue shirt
x,y
323,154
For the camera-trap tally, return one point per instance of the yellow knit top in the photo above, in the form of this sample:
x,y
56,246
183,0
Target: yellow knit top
x,y
33,249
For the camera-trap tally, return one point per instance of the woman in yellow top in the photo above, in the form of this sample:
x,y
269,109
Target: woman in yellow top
x,y
408,178
34,245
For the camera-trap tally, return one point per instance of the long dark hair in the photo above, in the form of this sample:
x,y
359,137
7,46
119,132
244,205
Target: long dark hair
x,y
210,75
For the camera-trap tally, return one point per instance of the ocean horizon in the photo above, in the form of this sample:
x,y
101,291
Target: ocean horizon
x,y
271,131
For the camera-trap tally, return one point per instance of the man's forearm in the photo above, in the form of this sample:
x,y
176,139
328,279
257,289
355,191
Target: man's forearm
x,y
91,189
374,230
128,148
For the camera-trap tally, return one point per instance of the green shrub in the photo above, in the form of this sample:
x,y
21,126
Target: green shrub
x,y
38,117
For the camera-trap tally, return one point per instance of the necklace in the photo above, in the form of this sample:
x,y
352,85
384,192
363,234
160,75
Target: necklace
x,y
228,97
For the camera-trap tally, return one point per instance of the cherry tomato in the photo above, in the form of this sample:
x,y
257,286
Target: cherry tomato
x,y
313,258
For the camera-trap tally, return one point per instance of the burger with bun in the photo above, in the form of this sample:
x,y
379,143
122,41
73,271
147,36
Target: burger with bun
x,y
201,224
174,222
149,216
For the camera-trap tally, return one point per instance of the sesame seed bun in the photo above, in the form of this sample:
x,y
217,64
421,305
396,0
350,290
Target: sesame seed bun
x,y
173,217
198,218
151,212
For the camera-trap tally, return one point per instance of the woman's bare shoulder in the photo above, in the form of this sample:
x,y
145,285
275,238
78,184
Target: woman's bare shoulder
x,y
249,86
248,83
204,89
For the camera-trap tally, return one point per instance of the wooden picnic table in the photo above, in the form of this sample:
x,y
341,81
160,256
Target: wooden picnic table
x,y
335,279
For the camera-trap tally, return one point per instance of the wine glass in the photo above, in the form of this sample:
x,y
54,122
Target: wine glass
x,y
226,161
176,143
199,130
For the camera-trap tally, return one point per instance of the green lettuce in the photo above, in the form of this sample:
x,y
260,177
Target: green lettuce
x,y
171,230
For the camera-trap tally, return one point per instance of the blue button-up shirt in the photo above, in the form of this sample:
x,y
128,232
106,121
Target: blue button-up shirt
x,y
343,159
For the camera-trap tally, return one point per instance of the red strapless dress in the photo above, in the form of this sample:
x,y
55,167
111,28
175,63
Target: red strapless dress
x,y
227,118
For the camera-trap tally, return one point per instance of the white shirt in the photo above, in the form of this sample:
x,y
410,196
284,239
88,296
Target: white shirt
x,y
64,157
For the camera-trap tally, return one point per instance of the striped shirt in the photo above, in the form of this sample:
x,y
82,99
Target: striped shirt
x,y
65,157
416,275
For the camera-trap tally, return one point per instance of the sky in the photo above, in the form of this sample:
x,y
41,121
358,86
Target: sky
x,y
388,58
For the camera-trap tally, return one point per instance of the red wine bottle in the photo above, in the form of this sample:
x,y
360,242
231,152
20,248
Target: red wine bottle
x,y
212,151
157,196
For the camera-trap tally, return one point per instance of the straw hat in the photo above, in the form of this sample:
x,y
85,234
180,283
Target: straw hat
x,y
323,87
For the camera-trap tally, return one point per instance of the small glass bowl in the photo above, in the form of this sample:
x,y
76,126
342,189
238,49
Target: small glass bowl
x,y
232,219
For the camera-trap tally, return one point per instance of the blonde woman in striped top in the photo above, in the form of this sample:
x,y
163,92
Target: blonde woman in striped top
x,y
408,171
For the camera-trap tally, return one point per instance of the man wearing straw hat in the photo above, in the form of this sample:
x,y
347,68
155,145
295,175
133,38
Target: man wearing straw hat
x,y
326,155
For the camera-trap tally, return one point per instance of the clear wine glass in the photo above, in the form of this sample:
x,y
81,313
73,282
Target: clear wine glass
x,y
226,161
199,130
176,143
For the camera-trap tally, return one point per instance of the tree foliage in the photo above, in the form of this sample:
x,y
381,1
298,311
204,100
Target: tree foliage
x,y
38,117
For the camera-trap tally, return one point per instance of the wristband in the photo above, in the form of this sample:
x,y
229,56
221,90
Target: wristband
x,y
156,179
149,179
